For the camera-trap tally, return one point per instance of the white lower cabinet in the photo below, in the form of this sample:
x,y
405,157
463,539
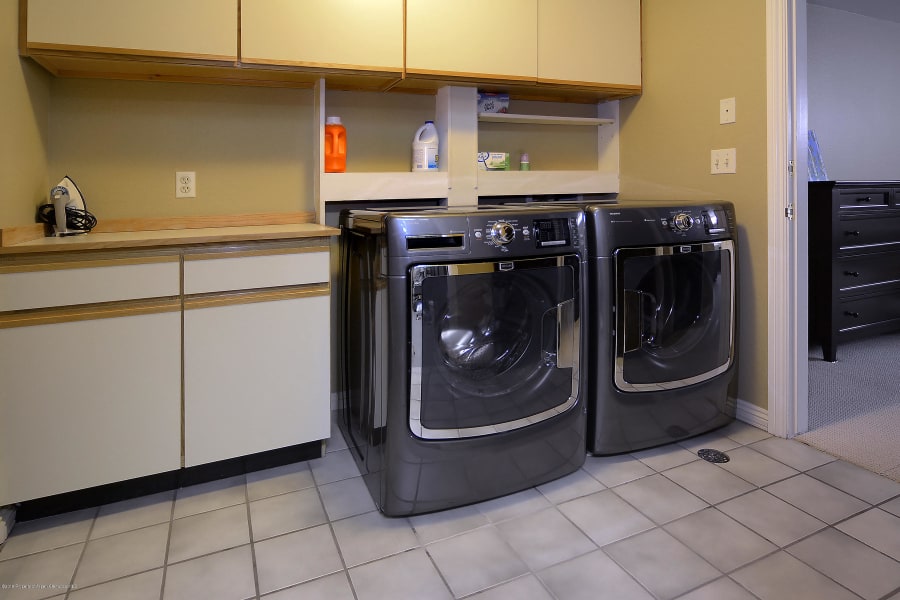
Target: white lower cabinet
x,y
88,401
159,359
256,376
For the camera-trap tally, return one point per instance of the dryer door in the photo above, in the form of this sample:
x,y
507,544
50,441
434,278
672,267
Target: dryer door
x,y
675,309
495,345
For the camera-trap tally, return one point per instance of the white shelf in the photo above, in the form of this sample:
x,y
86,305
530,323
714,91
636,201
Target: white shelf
x,y
542,119
528,183
350,187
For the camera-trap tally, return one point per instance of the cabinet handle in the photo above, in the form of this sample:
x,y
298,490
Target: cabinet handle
x,y
852,273
855,315
866,199
853,233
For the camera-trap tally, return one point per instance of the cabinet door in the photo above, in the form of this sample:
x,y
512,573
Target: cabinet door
x,y
201,28
88,402
589,41
493,40
256,377
343,34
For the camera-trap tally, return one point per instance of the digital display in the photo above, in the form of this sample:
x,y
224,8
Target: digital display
x,y
551,232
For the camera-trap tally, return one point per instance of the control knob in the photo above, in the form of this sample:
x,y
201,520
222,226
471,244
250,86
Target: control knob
x,y
683,222
502,233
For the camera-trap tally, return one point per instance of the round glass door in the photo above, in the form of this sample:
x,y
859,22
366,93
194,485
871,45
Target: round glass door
x,y
674,315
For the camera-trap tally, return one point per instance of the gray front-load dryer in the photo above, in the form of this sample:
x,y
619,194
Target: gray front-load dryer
x,y
663,322
461,341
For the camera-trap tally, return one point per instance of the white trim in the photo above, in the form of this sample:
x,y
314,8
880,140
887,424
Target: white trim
x,y
752,414
787,385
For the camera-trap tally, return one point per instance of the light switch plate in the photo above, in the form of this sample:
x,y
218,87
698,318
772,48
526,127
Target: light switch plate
x,y
723,161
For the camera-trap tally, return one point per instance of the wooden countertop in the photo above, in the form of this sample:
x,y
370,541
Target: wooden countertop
x,y
168,237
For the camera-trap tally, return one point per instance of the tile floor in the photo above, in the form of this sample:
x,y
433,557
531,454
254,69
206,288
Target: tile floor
x,y
781,520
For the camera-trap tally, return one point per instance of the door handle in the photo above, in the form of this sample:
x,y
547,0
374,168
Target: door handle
x,y
562,351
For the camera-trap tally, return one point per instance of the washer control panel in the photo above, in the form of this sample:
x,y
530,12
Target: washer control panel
x,y
520,233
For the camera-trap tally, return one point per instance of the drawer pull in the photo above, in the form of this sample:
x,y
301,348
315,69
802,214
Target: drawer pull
x,y
866,199
852,273
855,315
852,233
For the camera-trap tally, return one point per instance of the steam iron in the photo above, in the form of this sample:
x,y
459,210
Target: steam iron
x,y
67,211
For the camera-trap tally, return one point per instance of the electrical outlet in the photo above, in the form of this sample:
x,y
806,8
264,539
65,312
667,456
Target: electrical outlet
x,y
726,111
723,161
185,184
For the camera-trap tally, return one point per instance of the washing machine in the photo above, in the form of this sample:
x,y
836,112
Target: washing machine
x,y
663,322
461,342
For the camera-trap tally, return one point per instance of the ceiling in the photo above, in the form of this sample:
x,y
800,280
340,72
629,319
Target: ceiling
x,y
887,10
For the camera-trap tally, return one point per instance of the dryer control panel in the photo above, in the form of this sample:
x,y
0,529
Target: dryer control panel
x,y
709,220
649,223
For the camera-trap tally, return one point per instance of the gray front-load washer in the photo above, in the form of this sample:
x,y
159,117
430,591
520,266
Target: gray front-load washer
x,y
461,341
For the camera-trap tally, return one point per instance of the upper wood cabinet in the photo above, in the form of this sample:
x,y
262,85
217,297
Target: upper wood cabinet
x,y
344,34
574,50
589,41
467,38
199,28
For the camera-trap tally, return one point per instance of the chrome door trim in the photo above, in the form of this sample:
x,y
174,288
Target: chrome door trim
x,y
620,335
571,331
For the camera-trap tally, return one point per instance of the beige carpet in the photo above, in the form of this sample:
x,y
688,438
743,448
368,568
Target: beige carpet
x,y
854,404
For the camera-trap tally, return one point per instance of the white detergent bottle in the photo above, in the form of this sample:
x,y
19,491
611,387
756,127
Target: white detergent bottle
x,y
425,148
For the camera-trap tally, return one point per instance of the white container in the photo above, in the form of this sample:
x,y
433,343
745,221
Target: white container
x,y
425,148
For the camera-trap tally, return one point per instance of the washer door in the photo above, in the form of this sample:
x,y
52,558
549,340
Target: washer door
x,y
494,345
675,308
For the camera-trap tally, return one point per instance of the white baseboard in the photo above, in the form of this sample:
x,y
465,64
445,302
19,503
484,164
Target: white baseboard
x,y
752,415
7,520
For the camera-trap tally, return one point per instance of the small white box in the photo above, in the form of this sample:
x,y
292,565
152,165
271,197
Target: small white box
x,y
493,161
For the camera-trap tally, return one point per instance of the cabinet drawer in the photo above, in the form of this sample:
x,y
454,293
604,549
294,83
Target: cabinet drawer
x,y
85,282
850,233
853,274
863,198
205,273
853,313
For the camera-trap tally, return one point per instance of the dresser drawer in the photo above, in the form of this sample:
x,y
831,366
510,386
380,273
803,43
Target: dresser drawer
x,y
864,198
74,282
222,272
860,311
852,233
858,273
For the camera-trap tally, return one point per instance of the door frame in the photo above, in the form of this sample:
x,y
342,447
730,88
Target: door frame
x,y
786,103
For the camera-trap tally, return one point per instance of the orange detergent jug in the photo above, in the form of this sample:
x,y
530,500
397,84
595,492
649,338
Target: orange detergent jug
x,y
335,146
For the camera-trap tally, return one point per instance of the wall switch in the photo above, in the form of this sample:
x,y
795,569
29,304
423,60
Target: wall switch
x,y
723,161
726,111
185,184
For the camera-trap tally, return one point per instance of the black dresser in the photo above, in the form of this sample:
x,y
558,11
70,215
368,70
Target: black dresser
x,y
854,261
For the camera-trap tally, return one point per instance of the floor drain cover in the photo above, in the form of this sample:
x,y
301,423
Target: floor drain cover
x,y
713,456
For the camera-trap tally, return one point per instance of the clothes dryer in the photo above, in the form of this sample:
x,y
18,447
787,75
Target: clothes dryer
x,y
461,342
663,322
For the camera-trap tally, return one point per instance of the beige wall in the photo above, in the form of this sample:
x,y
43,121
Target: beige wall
x,y
251,147
24,98
696,52
122,143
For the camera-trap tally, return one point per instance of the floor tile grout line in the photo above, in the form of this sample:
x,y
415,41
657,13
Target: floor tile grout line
x,y
82,553
334,539
165,567
250,536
